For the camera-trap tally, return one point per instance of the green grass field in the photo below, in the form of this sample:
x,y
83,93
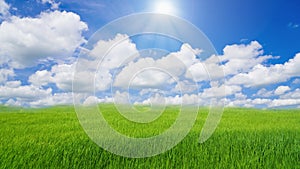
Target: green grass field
x,y
245,138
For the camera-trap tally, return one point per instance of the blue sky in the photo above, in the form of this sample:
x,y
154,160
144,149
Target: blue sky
x,y
259,36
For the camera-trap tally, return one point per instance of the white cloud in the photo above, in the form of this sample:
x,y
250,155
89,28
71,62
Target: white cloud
x,y
240,96
262,75
150,78
241,58
281,90
242,66
207,70
5,73
4,9
12,102
270,103
61,75
291,68
234,102
173,64
291,95
220,91
89,81
114,53
147,72
54,5
89,76
33,97
55,99
26,41
41,78
142,73
159,99
111,54
91,100
259,101
264,93
187,55
197,72
284,102
13,84
185,87
27,93
259,75
236,58
187,99
121,97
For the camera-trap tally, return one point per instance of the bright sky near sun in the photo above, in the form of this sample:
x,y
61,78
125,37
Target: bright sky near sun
x,y
257,43
164,7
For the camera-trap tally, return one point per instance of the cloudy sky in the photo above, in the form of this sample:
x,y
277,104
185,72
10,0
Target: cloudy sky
x,y
256,45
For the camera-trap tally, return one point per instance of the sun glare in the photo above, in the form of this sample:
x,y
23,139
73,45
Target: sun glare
x,y
164,7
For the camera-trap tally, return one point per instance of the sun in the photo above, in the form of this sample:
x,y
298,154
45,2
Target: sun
x,y
164,7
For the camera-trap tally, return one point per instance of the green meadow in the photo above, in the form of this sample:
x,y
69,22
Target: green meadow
x,y
245,138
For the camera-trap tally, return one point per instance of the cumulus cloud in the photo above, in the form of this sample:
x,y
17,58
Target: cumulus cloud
x,y
292,94
13,84
198,72
150,78
262,75
121,97
91,100
26,41
89,81
185,87
12,102
26,92
55,99
40,78
4,9
220,91
159,99
89,77
235,59
281,90
5,74
187,54
136,74
122,66
95,69
60,74
284,102
115,52
54,5
147,72
241,58
259,101
263,93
